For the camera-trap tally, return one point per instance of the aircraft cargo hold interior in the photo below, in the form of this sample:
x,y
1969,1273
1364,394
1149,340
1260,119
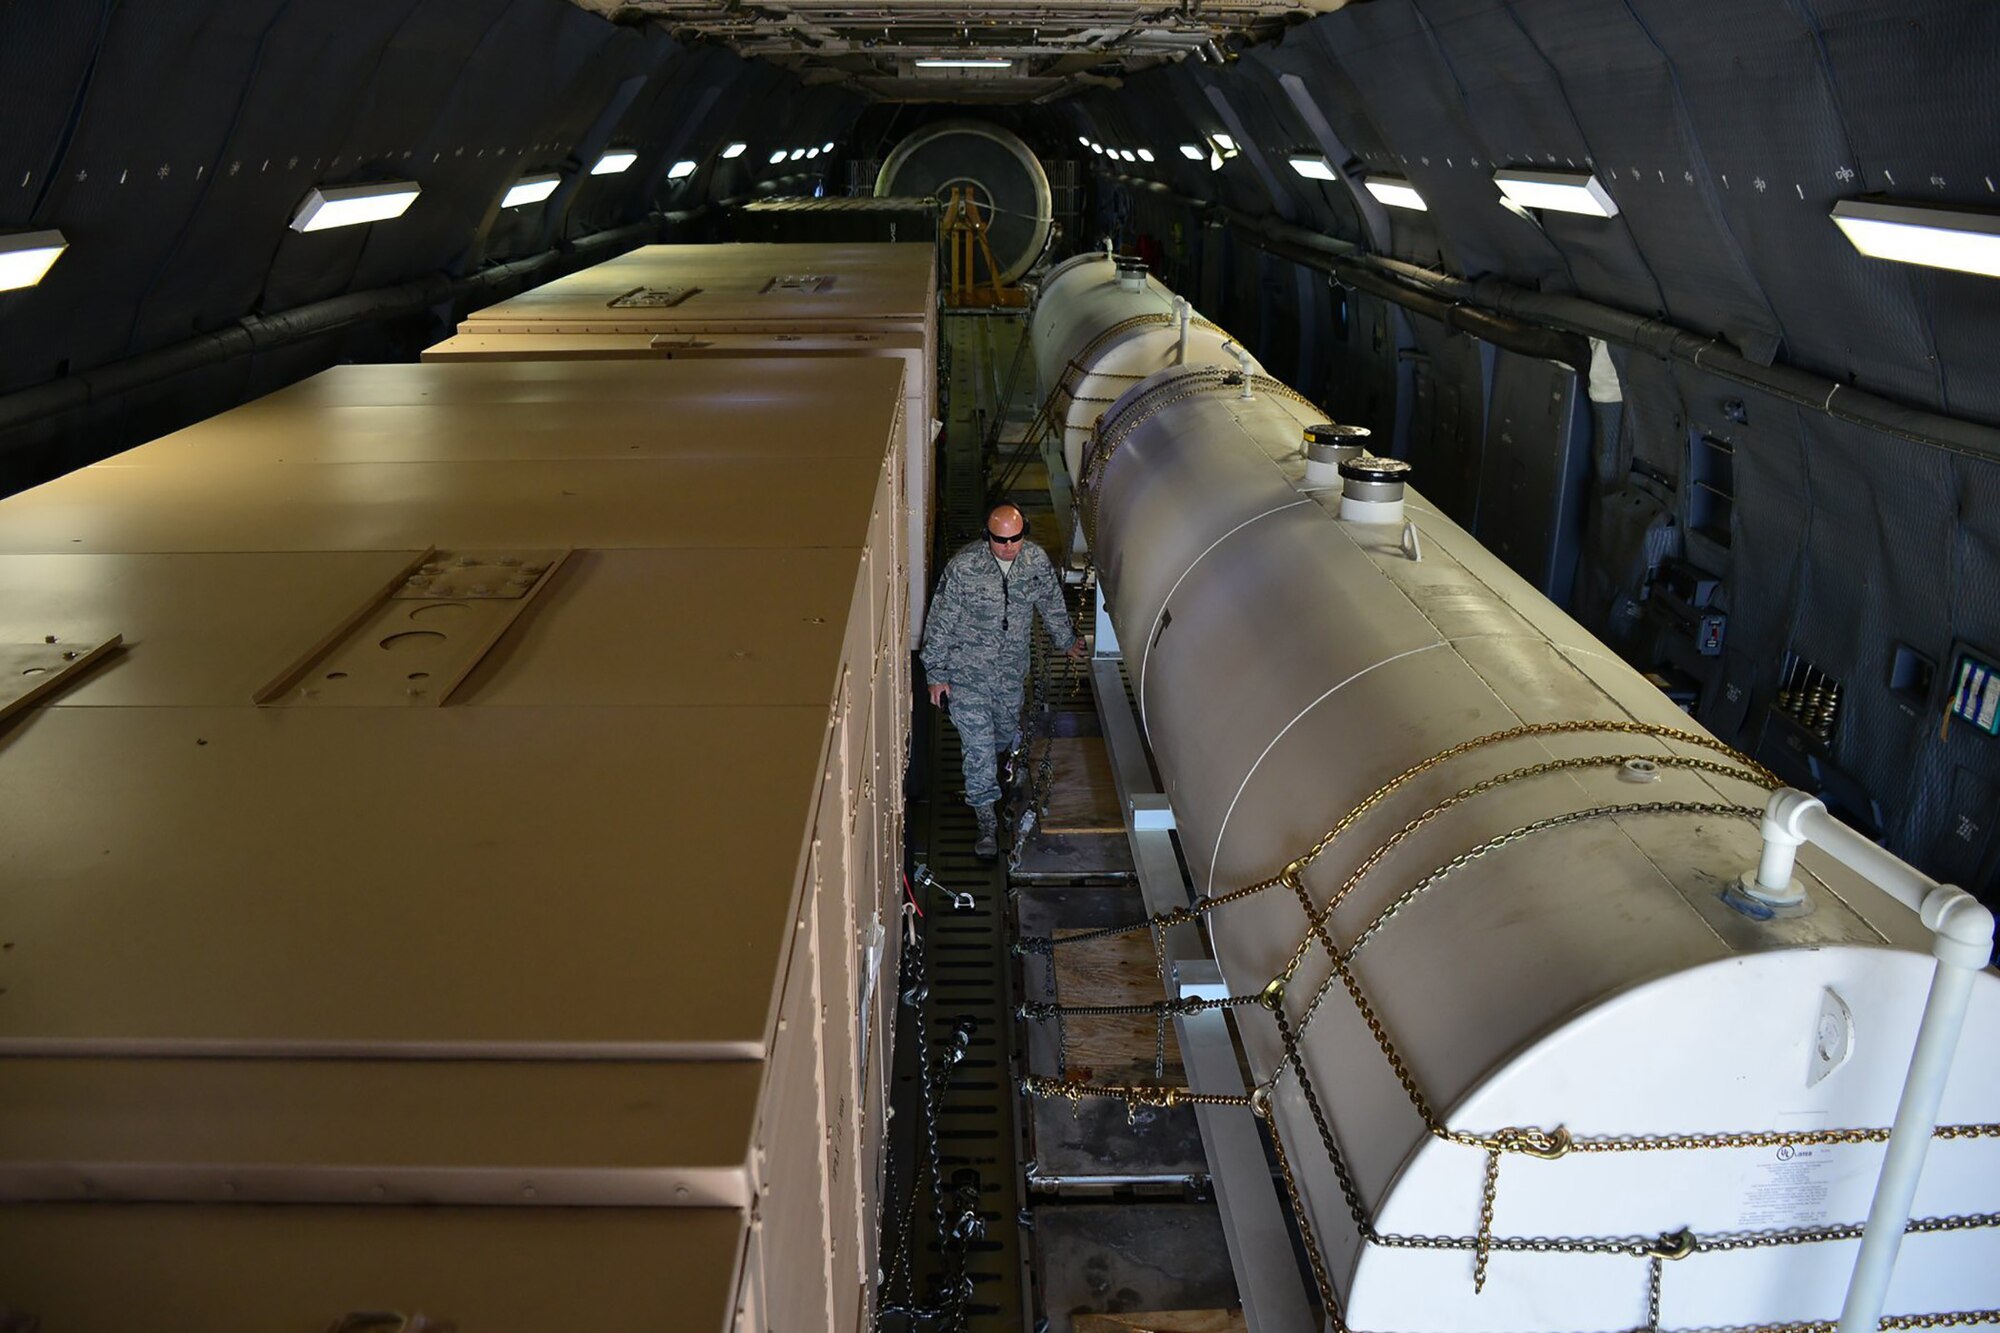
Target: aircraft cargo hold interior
x,y
1306,665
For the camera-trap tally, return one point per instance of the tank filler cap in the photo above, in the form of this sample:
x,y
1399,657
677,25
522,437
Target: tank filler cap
x,y
1371,470
1332,443
1131,272
1371,489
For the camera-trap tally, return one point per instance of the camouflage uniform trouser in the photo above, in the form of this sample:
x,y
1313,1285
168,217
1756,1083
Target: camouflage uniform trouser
x,y
987,718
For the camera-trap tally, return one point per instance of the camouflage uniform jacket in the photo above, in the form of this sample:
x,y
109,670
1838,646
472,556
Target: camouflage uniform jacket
x,y
977,636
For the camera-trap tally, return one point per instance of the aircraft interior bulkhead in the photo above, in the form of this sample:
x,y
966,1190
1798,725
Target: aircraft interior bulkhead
x,y
1271,666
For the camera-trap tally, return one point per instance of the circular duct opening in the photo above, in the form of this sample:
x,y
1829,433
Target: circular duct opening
x,y
1006,179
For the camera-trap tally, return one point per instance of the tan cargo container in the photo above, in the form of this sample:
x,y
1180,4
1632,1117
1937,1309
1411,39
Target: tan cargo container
x,y
452,854
719,301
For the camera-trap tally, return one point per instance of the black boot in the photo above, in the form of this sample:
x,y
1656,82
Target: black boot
x,y
988,845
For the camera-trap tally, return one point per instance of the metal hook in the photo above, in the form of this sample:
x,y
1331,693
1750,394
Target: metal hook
x,y
1672,1245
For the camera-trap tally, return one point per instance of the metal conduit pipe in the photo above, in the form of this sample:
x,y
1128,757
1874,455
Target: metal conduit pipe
x,y
256,334
1511,335
1513,307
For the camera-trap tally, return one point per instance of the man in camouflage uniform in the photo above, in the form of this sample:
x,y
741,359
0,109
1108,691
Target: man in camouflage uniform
x,y
976,649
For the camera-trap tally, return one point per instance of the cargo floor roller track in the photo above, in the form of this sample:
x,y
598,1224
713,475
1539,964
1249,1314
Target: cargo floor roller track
x,y
959,1030
962,1109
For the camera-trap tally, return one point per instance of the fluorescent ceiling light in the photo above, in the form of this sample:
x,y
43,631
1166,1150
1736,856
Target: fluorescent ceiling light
x,y
734,150
1950,238
1396,192
613,162
681,170
1313,168
797,153
1083,139
1224,142
1192,153
1097,148
1145,155
965,63
531,190
826,147
777,157
1126,153
1559,191
812,153
351,205
26,255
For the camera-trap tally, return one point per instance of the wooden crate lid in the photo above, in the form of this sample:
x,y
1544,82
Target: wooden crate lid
x,y
678,345
246,1269
749,283
379,1132
526,879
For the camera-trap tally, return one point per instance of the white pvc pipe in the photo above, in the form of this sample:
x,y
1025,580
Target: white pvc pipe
x,y
1243,358
1962,940
1183,312
1783,833
1909,1141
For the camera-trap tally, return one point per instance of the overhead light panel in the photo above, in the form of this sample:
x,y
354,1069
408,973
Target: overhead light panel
x,y
964,63
615,161
1950,238
797,153
26,255
1145,155
1096,147
531,190
1313,168
1126,153
777,157
1083,139
811,153
1192,152
826,147
1224,142
681,170
1557,191
734,150
1396,192
352,205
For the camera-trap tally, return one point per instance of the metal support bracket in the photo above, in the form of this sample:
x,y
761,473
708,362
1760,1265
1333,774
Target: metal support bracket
x,y
32,672
1253,1218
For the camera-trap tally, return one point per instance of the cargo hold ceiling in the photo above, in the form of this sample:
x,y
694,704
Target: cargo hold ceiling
x,y
930,50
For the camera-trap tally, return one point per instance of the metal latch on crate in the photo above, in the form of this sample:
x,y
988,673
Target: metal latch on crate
x,y
651,298
31,672
419,636
390,1321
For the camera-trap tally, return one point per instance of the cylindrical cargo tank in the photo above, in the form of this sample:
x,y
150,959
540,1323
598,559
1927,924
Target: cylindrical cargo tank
x,y
1102,324
1538,935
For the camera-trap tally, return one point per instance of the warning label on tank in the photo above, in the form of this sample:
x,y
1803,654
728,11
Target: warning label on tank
x,y
1789,1188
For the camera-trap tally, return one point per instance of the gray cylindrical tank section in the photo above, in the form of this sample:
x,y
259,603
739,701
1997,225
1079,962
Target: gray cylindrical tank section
x,y
1007,180
1589,975
1097,333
